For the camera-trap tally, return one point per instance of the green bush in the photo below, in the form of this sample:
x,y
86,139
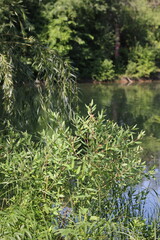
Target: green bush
x,y
104,71
142,62
68,185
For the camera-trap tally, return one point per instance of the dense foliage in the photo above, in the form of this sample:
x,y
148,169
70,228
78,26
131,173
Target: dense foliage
x,y
70,183
104,38
101,38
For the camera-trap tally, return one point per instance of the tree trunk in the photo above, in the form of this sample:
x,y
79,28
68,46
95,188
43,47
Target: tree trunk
x,y
117,40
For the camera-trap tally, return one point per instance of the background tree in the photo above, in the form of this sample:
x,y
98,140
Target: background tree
x,y
98,35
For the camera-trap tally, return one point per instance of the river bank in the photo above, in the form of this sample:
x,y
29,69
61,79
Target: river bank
x,y
124,79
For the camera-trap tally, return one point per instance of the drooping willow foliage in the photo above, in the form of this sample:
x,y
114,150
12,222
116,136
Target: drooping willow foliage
x,y
24,60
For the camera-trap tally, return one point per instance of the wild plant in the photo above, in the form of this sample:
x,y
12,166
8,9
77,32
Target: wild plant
x,y
67,184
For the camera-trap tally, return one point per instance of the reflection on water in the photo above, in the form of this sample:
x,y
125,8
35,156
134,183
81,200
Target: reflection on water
x,y
134,105
152,204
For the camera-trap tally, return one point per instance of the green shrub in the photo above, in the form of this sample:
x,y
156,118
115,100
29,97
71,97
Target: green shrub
x,y
141,62
104,71
70,182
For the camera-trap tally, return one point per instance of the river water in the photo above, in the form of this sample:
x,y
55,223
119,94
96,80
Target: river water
x,y
136,104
